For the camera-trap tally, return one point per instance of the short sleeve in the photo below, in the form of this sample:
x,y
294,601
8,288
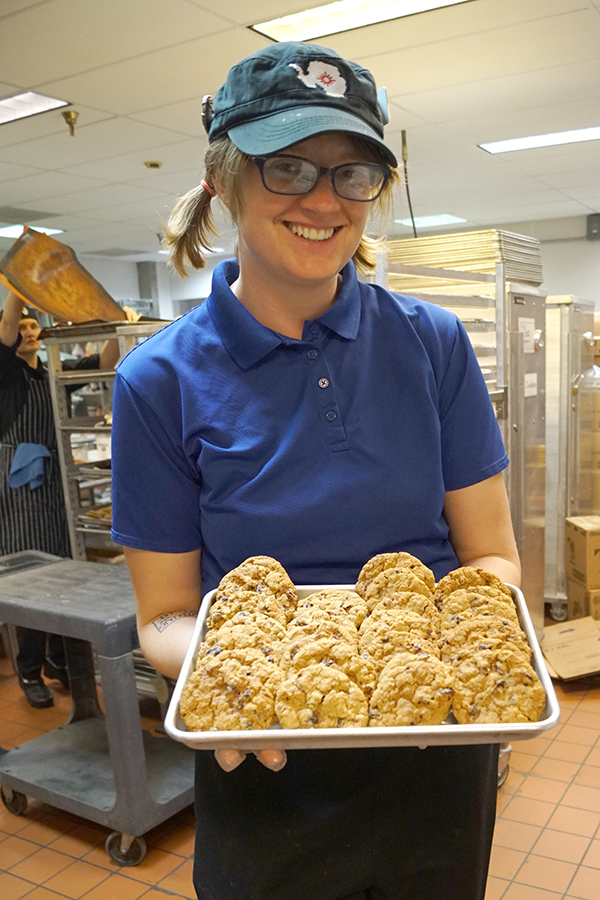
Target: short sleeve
x,y
155,490
472,446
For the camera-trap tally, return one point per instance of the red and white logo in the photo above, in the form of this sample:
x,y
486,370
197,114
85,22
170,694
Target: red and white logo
x,y
322,75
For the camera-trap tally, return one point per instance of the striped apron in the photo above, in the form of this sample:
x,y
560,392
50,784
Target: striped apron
x,y
33,519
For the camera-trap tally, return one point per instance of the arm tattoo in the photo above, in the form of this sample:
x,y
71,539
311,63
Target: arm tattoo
x,y
163,621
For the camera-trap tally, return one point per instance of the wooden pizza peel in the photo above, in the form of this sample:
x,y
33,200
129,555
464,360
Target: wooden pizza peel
x,y
47,275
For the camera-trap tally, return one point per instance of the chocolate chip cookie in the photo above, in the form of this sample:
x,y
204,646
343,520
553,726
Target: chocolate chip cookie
x,y
230,690
321,697
496,686
393,581
413,689
399,560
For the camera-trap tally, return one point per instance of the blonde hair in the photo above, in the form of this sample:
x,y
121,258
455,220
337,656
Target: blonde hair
x,y
191,226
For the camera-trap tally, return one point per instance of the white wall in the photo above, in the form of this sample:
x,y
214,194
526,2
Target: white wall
x,y
117,277
572,267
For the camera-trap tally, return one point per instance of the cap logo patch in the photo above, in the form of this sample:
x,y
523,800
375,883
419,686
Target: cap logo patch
x,y
322,75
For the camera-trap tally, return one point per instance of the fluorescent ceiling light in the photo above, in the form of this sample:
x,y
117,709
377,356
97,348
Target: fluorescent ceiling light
x,y
543,140
343,16
27,103
15,231
431,221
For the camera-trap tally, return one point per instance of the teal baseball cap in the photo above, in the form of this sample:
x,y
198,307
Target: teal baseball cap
x,y
291,91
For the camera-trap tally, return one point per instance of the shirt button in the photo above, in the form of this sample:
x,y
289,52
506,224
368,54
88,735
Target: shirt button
x,y
312,354
331,415
314,328
323,382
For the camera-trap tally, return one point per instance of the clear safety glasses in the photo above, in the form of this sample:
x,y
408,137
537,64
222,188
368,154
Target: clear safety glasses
x,y
295,175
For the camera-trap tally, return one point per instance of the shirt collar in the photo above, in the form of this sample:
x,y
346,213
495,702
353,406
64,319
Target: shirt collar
x,y
247,341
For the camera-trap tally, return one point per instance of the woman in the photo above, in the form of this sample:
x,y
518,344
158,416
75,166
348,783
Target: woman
x,y
33,516
303,415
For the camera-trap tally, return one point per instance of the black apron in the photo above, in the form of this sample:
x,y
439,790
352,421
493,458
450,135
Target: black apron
x,y
33,519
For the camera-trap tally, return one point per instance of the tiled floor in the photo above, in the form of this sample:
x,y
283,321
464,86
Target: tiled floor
x,y
546,845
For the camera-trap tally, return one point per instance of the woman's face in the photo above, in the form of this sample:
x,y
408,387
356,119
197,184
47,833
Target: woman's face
x,y
301,240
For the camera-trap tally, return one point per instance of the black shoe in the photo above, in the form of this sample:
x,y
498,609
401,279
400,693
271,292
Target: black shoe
x,y
36,692
56,673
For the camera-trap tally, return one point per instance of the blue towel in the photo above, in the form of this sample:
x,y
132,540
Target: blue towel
x,y
28,466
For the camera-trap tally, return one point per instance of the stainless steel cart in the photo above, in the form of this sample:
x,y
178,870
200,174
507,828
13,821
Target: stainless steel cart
x,y
505,321
570,426
101,765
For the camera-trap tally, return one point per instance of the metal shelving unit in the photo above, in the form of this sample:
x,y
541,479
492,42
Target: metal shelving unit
x,y
87,485
505,321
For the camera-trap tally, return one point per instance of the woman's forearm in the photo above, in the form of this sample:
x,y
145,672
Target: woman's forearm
x,y
165,640
507,569
11,316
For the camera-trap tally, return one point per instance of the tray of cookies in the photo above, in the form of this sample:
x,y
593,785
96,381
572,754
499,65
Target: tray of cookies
x,y
393,660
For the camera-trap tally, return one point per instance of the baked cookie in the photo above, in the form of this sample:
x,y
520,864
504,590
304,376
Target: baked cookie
x,y
467,577
260,579
311,627
321,697
413,689
485,601
477,633
230,690
417,603
252,630
395,631
331,652
399,560
229,605
267,561
336,603
496,686
394,581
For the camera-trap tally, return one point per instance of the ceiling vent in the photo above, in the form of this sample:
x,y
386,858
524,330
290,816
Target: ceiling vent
x,y
13,215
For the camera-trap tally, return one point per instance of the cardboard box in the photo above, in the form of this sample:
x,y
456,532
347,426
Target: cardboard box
x,y
572,649
582,550
581,601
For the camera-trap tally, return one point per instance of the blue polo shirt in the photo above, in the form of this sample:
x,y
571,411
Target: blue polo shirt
x,y
320,452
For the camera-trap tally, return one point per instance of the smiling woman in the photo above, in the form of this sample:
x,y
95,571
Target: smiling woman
x,y
306,416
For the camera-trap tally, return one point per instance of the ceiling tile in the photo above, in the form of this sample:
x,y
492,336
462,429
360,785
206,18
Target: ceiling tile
x,y
175,157
523,122
441,25
184,117
112,137
172,75
176,183
570,38
41,126
557,84
259,11
98,198
42,185
8,171
54,40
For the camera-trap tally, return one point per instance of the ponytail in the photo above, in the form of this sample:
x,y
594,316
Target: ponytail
x,y
188,232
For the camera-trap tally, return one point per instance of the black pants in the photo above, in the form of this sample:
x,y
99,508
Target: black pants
x,y
34,646
381,824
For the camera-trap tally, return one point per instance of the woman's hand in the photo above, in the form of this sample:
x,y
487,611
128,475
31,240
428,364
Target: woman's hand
x,y
230,759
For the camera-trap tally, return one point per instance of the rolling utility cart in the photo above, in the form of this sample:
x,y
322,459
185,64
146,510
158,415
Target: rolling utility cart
x,y
101,765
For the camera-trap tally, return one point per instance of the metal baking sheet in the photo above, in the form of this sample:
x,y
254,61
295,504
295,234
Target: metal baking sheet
x,y
450,732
